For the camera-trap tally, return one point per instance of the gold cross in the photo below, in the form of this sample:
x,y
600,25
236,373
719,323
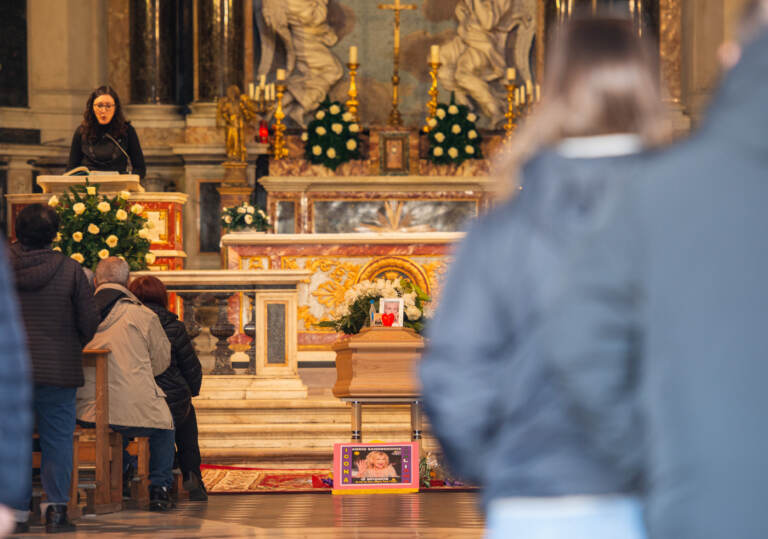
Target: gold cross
x,y
397,7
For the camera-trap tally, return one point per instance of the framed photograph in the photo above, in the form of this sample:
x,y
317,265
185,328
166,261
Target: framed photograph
x,y
377,320
375,467
393,147
392,310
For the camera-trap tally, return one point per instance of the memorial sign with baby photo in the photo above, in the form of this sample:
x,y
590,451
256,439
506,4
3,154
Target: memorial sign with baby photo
x,y
375,467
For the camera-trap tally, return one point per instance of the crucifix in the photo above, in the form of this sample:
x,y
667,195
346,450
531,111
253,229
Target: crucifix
x,y
397,7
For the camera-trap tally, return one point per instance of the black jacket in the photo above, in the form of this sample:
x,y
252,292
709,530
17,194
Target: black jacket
x,y
181,381
104,154
59,313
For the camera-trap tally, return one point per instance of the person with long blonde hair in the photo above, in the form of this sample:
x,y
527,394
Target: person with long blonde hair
x,y
495,406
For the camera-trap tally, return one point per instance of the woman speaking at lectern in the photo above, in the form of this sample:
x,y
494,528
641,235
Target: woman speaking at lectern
x,y
105,141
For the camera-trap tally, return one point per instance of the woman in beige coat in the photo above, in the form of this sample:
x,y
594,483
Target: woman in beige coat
x,y
139,350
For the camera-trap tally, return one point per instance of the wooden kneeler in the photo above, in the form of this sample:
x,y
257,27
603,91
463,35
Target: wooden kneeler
x,y
105,452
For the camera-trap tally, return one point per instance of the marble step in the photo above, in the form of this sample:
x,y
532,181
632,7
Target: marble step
x,y
310,435
305,411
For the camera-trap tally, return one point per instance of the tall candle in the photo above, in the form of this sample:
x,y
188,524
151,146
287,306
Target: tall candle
x,y
538,92
511,74
353,54
517,96
529,87
250,90
280,74
262,81
434,54
272,91
522,96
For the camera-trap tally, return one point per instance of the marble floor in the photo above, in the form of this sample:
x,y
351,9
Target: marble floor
x,y
424,515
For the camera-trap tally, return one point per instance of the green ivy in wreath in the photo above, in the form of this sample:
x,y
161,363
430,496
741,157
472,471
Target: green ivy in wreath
x,y
453,135
332,138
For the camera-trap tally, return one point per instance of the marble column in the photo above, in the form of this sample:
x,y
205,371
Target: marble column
x,y
220,34
153,51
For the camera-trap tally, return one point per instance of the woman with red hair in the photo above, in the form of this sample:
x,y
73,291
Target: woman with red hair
x,y
181,381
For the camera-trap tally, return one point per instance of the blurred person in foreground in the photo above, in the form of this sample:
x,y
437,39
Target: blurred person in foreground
x,y
496,408
60,317
669,297
139,351
15,405
180,381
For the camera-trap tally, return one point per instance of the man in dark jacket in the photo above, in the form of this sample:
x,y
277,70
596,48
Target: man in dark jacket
x,y
60,317
671,297
15,404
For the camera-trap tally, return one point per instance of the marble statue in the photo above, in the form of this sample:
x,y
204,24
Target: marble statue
x,y
311,68
474,61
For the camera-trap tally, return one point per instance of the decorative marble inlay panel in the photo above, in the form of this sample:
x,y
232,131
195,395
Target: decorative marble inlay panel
x,y
276,333
285,217
333,217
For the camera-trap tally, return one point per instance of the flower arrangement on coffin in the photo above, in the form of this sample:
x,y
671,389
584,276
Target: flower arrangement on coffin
x,y
351,316
94,227
244,217
332,138
453,136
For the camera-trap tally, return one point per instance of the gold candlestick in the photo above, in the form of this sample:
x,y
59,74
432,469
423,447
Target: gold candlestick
x,y
433,92
352,103
279,149
511,114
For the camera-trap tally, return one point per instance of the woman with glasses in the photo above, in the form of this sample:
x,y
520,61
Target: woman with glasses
x,y
105,141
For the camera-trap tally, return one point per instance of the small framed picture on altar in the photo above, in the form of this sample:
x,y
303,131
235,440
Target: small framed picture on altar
x,y
391,310
378,467
393,147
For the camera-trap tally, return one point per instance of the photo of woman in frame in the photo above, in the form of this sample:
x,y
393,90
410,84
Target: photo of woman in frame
x,y
392,306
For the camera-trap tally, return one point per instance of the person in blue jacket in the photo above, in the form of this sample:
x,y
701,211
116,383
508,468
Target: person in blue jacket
x,y
497,410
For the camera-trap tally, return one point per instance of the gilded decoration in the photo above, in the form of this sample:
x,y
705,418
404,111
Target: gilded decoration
x,y
394,267
332,277
256,263
670,46
435,273
159,219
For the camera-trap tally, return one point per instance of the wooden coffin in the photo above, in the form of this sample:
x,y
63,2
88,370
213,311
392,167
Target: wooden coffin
x,y
378,362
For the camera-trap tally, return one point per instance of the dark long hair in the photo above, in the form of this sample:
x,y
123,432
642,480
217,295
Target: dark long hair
x,y
116,127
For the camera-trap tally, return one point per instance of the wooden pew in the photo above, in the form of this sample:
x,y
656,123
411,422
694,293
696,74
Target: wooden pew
x,y
106,451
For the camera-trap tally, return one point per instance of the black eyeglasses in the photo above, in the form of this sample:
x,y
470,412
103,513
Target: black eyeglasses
x,y
104,106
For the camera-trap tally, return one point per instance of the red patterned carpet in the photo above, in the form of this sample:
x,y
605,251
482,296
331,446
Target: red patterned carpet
x,y
235,480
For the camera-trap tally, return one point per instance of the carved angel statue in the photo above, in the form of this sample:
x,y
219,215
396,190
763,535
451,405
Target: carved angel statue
x,y
311,68
474,60
235,111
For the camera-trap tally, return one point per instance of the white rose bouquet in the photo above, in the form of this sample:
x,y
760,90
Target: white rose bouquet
x,y
351,316
332,137
453,135
244,217
93,227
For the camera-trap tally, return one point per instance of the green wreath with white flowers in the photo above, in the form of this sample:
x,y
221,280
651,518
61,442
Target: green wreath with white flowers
x,y
332,138
453,135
